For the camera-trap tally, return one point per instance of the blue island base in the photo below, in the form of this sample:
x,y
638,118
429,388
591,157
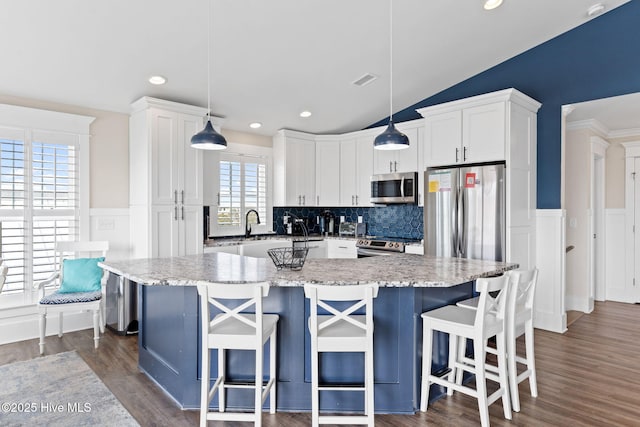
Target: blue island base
x,y
169,349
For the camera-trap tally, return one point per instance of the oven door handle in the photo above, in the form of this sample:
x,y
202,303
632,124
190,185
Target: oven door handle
x,y
402,187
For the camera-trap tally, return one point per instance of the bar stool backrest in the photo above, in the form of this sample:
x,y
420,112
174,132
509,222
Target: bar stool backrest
x,y
219,295
489,307
321,296
521,300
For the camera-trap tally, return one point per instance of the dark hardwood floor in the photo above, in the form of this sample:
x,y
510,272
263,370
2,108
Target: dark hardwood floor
x,y
587,376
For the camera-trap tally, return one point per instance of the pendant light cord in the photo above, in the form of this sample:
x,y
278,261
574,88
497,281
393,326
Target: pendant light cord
x,y
209,62
391,60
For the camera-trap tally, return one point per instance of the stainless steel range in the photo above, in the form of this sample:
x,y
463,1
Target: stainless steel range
x,y
375,246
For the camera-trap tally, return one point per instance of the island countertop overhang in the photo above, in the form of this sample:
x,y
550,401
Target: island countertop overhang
x,y
398,270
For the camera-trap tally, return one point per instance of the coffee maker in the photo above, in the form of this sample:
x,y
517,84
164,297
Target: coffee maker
x,y
327,223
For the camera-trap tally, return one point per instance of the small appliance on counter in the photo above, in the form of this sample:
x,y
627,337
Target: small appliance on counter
x,y
352,229
326,221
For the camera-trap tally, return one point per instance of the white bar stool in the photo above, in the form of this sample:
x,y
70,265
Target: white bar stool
x,y
235,329
519,321
341,331
479,325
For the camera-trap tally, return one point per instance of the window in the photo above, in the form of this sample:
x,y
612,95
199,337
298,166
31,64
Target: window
x,y
40,196
243,186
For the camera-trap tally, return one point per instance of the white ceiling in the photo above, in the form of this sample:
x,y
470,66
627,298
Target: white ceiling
x,y
616,114
270,59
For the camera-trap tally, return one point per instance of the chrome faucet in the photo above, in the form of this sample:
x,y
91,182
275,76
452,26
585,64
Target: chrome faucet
x,y
247,227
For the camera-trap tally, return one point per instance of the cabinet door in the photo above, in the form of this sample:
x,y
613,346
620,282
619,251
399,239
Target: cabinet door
x,y
406,160
190,223
484,133
348,172
383,160
165,158
300,169
189,161
306,173
328,173
443,139
364,170
164,231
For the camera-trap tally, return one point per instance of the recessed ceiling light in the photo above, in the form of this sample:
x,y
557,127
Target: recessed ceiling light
x,y
305,113
594,10
157,80
255,125
492,4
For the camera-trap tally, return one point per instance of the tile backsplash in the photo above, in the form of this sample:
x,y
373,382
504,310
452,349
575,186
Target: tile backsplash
x,y
403,221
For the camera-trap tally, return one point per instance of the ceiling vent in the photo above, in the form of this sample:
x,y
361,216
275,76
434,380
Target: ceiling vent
x,y
365,79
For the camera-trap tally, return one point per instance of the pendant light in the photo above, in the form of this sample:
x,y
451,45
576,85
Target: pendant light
x,y
391,138
208,138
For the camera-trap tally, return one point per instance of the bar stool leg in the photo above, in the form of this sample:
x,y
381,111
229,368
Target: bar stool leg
x,y
531,360
369,405
426,364
272,370
204,386
481,384
315,399
502,374
258,389
513,369
222,375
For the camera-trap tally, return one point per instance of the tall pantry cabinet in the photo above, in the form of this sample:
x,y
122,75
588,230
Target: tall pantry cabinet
x,y
165,175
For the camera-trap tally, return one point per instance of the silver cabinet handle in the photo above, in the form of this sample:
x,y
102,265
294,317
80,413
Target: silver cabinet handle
x,y
218,199
352,198
175,212
357,199
182,196
318,200
299,200
175,196
304,200
457,154
395,166
182,211
464,154
390,166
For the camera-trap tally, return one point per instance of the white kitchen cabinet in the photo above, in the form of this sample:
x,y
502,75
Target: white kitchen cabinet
x,y
166,185
294,167
356,168
258,249
328,161
341,248
471,130
317,249
404,160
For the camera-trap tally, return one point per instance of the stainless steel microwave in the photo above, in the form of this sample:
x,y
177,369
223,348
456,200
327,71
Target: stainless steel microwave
x,y
395,188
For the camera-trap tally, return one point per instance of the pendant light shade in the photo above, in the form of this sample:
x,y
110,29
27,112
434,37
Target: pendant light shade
x,y
391,138
208,138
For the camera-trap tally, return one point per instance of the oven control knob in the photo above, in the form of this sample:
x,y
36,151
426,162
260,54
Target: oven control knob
x,y
397,245
359,242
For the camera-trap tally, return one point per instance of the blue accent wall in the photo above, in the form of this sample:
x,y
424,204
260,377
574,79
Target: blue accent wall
x,y
598,59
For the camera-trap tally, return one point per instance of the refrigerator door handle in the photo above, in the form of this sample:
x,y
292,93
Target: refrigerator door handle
x,y
462,249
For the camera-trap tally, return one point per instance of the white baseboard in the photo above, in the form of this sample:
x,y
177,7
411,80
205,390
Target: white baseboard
x,y
583,304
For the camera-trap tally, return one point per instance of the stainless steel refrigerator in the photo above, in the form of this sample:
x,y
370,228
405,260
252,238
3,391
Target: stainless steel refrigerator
x,y
464,211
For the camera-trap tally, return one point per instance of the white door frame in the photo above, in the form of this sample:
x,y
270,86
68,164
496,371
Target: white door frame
x,y
632,153
596,231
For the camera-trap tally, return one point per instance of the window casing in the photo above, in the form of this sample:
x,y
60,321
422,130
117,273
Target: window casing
x,y
42,197
243,184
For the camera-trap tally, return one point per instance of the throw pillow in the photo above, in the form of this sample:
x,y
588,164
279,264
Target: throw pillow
x,y
81,275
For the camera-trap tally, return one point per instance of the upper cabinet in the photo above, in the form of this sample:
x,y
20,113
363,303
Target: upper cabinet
x,y
166,185
356,168
294,173
404,160
328,185
472,130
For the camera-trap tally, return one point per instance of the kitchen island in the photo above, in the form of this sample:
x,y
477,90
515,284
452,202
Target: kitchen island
x,y
169,343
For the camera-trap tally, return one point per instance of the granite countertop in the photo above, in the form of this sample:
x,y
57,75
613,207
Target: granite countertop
x,y
399,270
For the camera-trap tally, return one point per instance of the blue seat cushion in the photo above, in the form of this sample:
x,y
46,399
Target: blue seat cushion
x,y
70,297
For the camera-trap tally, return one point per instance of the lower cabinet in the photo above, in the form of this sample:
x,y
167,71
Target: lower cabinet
x,y
339,248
